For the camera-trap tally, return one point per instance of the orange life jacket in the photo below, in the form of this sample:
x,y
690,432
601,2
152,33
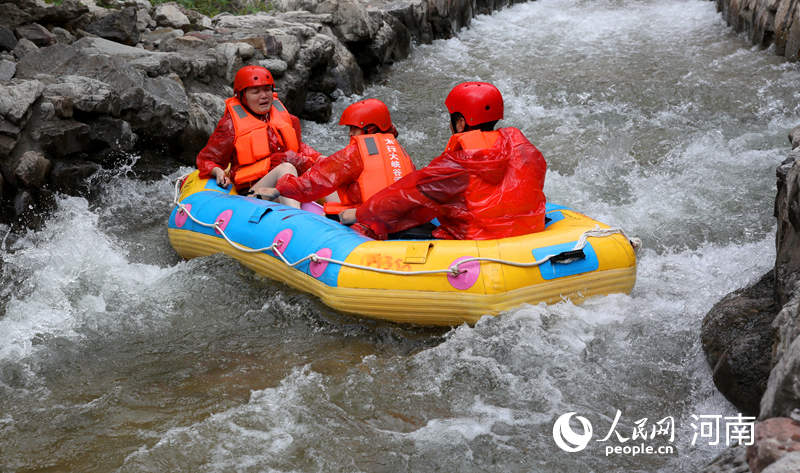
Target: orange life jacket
x,y
384,161
475,139
252,142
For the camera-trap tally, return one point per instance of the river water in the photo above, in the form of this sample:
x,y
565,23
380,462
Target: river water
x,y
653,116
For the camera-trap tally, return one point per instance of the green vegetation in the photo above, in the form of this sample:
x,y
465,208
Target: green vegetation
x,y
215,7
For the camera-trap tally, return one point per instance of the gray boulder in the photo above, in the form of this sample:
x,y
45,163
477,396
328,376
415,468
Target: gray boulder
x,y
787,242
317,107
84,94
794,137
23,48
112,134
737,335
731,460
16,99
36,33
62,137
70,177
783,387
63,36
204,114
7,70
32,169
157,106
8,41
170,15
120,26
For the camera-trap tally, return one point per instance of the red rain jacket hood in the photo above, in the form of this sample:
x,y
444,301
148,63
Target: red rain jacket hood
x,y
477,194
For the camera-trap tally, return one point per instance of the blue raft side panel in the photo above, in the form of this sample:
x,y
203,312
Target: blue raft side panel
x,y
255,224
548,207
559,270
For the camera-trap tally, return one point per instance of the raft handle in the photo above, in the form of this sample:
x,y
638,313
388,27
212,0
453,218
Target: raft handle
x,y
567,257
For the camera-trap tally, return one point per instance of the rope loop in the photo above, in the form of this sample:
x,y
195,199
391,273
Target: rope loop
x,y
453,270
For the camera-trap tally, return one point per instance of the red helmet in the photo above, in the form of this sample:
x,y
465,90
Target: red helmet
x,y
367,112
479,102
252,76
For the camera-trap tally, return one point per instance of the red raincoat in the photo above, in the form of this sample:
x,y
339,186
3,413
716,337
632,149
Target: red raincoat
x,y
219,151
477,194
341,169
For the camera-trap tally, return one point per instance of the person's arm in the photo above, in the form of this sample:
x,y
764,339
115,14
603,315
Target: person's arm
x,y
215,157
415,199
325,176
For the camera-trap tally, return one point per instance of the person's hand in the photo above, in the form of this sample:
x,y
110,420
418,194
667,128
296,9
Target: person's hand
x,y
222,179
347,217
265,193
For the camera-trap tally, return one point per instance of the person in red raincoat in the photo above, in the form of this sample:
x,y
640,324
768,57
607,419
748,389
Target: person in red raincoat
x,y
487,183
256,137
372,160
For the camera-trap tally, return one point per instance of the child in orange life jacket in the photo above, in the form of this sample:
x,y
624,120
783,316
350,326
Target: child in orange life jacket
x,y
256,136
487,184
371,161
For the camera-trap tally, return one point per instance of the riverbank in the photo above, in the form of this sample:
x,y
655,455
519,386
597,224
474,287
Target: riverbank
x,y
766,23
83,86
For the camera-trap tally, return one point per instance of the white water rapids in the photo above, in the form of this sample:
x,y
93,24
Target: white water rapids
x,y
652,115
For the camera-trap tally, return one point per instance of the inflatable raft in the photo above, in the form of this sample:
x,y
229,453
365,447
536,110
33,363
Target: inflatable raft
x,y
423,282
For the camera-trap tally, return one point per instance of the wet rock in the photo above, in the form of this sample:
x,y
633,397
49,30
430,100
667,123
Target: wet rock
x,y
120,26
36,33
62,137
783,387
765,22
7,70
70,177
317,107
787,241
7,39
23,202
346,74
205,112
170,15
7,145
731,460
736,335
32,169
794,137
16,99
112,133
774,438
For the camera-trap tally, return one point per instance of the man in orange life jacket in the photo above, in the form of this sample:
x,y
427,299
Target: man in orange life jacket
x,y
371,161
256,136
487,184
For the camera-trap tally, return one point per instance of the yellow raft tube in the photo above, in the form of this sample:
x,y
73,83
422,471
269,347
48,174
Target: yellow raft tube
x,y
422,282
